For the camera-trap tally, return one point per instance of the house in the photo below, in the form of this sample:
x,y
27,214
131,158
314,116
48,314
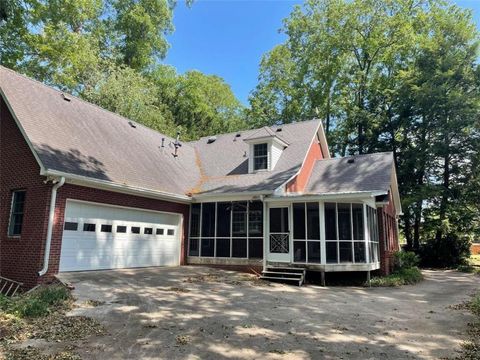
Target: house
x,y
82,188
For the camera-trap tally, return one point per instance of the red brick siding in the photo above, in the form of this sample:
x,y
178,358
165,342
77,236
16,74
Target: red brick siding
x,y
475,249
300,181
19,257
388,233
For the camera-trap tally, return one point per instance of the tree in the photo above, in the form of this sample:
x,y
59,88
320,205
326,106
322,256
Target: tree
x,y
199,104
396,75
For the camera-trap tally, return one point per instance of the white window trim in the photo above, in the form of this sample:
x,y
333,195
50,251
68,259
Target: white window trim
x,y
10,215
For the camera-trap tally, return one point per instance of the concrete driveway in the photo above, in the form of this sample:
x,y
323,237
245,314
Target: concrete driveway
x,y
201,313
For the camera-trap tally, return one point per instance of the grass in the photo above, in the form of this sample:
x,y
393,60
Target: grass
x,y
408,276
39,302
475,260
473,265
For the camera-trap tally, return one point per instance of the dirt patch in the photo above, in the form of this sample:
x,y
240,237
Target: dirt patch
x,y
54,336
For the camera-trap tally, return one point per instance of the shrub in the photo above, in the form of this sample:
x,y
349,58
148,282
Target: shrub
x,y
447,252
406,260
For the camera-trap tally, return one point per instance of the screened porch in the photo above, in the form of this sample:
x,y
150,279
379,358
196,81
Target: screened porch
x,y
323,235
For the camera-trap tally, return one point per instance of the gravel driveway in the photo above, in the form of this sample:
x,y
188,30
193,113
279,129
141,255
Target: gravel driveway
x,y
201,313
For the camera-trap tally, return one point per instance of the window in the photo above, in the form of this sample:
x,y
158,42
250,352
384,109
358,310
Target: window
x,y
89,227
121,229
170,232
135,230
16,215
227,229
260,156
160,231
148,231
106,228
71,226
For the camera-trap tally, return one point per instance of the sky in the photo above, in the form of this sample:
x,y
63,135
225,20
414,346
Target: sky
x,y
228,37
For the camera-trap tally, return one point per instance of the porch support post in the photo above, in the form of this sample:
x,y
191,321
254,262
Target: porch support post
x,y
265,233
368,279
322,276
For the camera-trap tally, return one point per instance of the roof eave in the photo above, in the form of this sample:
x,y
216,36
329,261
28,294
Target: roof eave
x,y
115,187
327,196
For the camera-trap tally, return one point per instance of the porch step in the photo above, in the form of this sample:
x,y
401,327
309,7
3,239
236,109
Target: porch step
x,y
284,274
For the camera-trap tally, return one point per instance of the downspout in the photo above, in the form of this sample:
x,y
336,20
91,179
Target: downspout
x,y
51,216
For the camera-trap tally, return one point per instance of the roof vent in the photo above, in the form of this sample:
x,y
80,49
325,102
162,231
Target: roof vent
x,y
132,124
238,134
211,139
66,97
279,129
351,160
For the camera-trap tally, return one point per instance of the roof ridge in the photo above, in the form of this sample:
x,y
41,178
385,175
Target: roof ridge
x,y
358,155
259,128
84,101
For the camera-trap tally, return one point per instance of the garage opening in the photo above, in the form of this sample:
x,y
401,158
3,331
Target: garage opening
x,y
98,236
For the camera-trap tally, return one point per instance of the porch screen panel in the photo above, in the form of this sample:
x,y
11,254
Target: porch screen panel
x,y
227,229
208,219
194,241
223,219
331,239
299,221
255,230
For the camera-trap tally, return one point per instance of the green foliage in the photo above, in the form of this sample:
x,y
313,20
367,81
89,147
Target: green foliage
x,y
39,302
388,76
449,251
405,276
406,260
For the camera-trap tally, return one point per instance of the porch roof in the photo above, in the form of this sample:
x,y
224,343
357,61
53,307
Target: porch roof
x,y
352,174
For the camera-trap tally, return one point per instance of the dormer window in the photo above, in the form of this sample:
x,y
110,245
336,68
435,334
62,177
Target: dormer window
x,y
265,149
260,156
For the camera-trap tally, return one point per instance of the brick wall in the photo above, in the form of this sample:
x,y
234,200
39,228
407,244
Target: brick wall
x,y
19,256
475,249
22,257
387,226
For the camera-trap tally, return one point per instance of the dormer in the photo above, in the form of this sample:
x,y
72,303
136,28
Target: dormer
x,y
265,148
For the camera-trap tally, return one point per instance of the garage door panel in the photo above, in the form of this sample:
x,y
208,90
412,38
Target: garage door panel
x,y
86,250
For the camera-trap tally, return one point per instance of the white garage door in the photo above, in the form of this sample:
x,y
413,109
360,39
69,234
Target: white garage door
x,y
98,236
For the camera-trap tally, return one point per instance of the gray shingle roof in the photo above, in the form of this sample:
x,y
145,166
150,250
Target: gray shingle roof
x,y
224,163
369,172
82,139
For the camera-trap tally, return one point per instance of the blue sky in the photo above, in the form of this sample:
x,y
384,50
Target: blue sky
x,y
229,37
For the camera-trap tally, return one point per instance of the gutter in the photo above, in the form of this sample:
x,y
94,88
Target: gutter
x,y
122,188
51,217
326,196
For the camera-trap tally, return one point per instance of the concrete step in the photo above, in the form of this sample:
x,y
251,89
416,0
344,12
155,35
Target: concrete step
x,y
282,279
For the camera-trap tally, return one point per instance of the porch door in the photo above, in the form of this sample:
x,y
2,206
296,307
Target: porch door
x,y
279,235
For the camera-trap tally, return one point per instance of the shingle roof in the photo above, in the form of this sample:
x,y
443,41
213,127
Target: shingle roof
x,y
224,163
369,172
82,139
79,138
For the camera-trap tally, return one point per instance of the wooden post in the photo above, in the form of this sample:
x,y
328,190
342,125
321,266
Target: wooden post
x,y
368,278
322,274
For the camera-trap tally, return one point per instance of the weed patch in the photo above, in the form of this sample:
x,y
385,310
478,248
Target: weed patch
x,y
400,277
